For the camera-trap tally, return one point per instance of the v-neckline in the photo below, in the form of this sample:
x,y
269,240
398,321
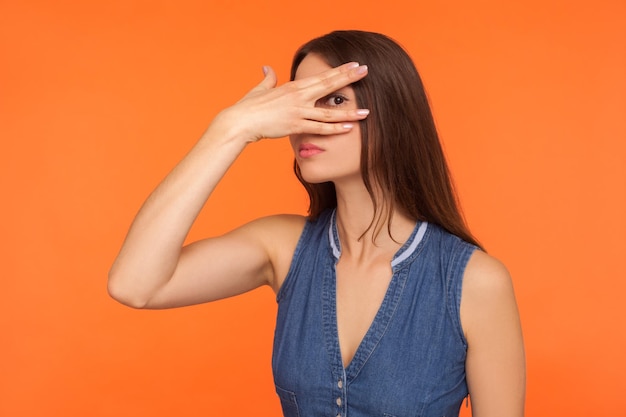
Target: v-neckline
x,y
385,311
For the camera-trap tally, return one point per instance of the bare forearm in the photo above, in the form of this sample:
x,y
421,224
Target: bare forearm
x,y
152,247
151,253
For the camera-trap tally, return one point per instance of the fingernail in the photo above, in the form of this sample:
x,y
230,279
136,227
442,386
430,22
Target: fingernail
x,y
363,112
353,64
348,126
362,69
265,69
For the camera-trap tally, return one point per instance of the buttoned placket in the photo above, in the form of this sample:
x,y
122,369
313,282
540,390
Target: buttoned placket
x,y
395,288
340,401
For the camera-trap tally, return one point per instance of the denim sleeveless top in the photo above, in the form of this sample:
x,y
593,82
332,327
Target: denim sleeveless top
x,y
411,361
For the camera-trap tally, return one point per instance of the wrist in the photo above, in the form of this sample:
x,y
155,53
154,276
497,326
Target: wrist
x,y
230,127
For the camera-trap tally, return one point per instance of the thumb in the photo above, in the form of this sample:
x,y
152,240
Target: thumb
x,y
270,79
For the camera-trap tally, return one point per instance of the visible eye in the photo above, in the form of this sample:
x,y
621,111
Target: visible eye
x,y
333,100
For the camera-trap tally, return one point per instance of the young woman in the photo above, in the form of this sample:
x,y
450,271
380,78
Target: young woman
x,y
387,305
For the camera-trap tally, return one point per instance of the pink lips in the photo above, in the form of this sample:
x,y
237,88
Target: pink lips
x,y
307,150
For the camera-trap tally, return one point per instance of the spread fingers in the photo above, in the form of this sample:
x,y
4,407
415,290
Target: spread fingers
x,y
322,84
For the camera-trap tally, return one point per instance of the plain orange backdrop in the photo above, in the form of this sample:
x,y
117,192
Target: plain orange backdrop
x,y
99,99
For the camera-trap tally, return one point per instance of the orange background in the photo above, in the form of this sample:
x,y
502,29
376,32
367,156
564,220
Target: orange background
x,y
99,99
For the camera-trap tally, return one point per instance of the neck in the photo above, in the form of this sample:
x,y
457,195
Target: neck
x,y
360,236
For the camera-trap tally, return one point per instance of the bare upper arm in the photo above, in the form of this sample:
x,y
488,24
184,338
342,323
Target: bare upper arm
x,y
255,254
495,364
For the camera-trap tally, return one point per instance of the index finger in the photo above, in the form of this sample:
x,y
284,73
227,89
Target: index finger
x,y
315,78
329,81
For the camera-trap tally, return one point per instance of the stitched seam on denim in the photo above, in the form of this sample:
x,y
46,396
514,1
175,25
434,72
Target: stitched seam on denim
x,y
380,333
370,335
335,244
329,317
291,398
418,236
457,265
295,259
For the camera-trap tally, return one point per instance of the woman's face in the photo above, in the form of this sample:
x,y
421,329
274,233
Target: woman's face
x,y
322,158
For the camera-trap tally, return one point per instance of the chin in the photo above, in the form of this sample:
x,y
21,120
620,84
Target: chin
x,y
317,173
314,178
320,178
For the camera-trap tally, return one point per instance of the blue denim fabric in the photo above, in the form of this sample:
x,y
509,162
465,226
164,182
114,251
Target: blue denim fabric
x,y
410,363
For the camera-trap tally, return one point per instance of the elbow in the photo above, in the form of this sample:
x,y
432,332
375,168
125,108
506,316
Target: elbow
x,y
123,294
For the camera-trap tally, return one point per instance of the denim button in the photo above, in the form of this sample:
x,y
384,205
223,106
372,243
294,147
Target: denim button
x,y
430,270
339,401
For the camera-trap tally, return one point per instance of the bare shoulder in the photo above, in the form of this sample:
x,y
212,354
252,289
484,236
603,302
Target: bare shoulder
x,y
279,235
275,232
495,365
486,276
487,290
278,223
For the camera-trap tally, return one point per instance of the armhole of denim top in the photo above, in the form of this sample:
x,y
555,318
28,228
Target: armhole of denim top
x,y
291,274
461,254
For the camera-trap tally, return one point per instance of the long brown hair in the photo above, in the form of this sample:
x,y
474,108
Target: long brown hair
x,y
400,148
